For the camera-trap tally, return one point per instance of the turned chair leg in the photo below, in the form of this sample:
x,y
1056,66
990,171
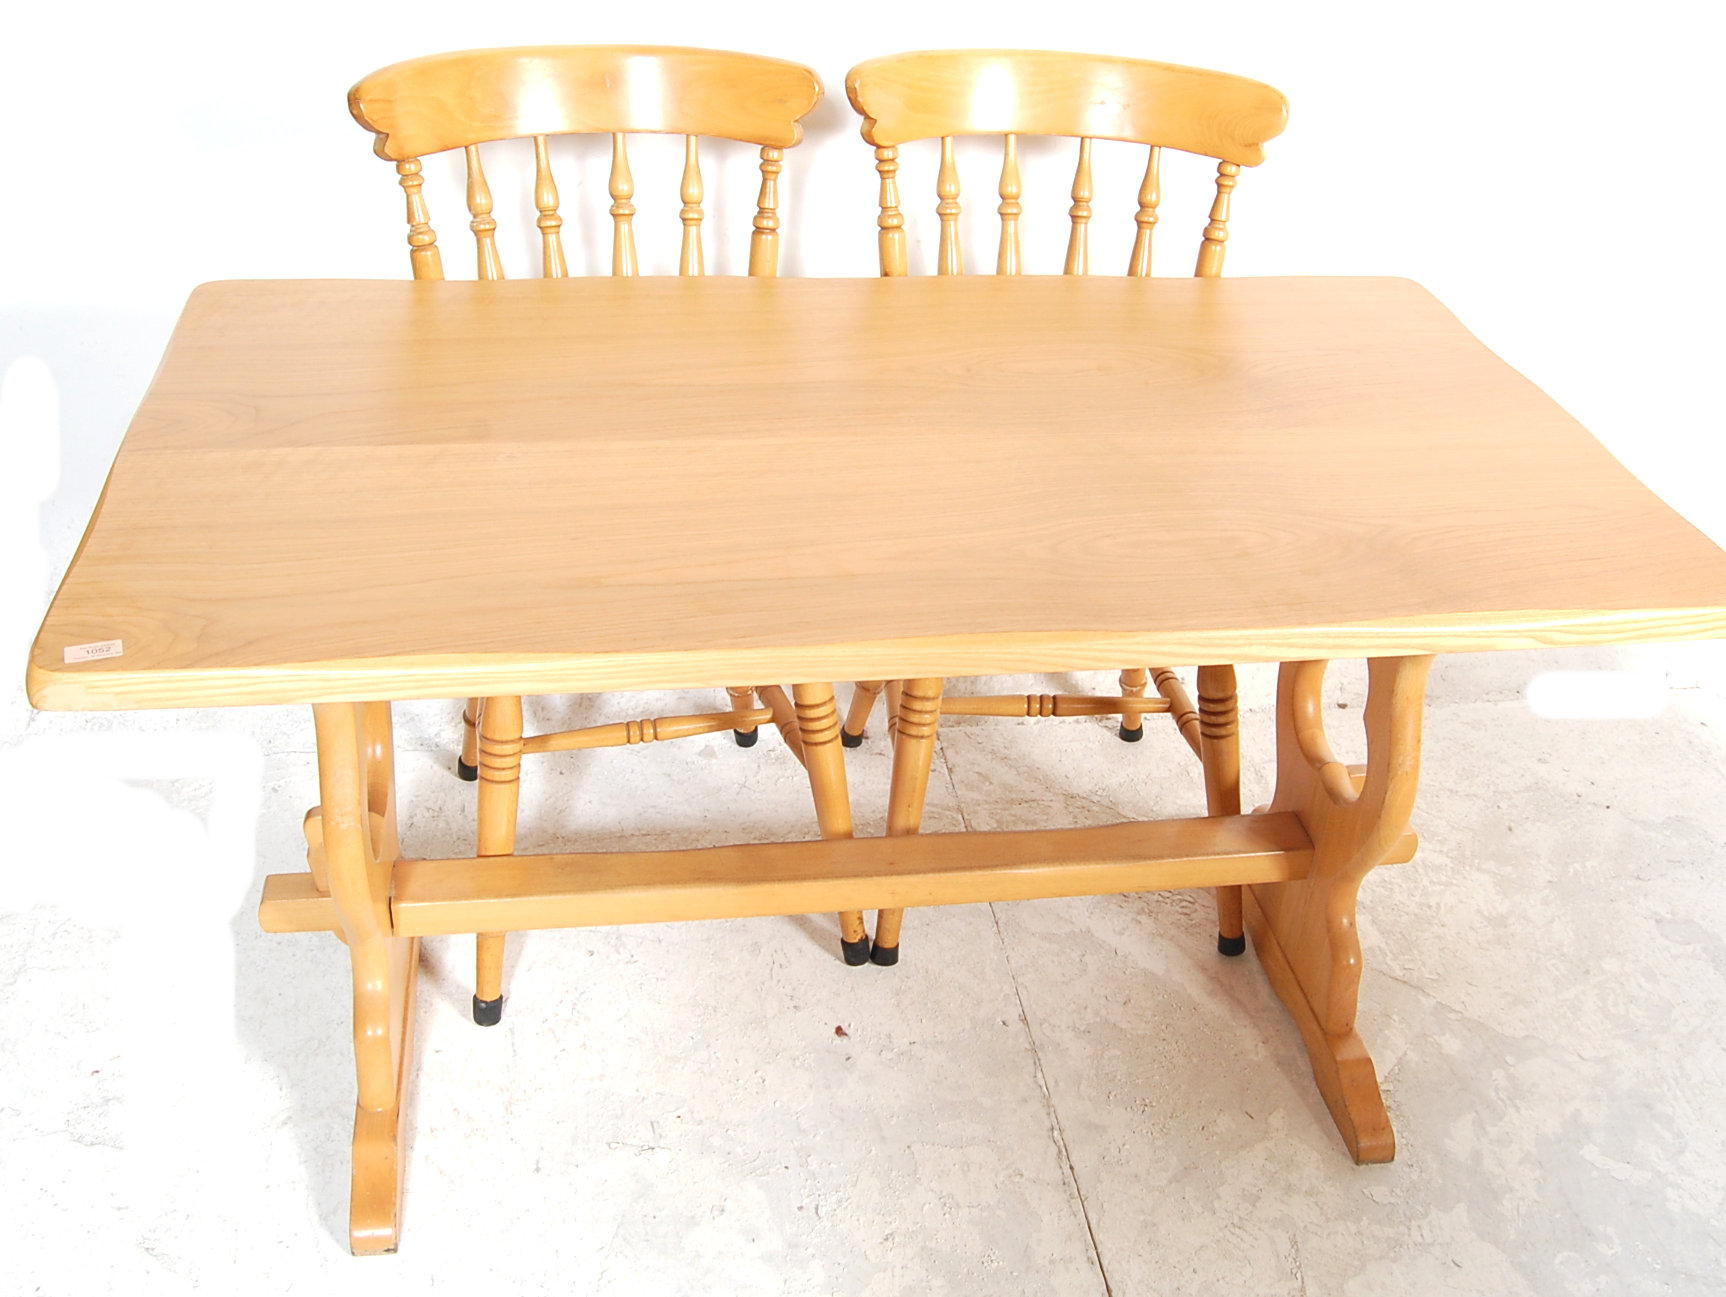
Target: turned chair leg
x,y
1220,751
819,731
1133,682
499,798
916,721
863,696
467,764
743,700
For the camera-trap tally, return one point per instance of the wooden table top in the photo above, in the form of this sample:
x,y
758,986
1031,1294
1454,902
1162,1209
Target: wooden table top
x,y
364,490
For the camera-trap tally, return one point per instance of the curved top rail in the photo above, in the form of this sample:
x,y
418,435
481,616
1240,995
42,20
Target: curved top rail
x,y
929,93
449,101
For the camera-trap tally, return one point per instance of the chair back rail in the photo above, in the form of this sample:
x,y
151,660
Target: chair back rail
x,y
944,94
474,97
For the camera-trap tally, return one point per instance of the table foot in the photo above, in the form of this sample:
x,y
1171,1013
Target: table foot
x,y
746,738
884,956
1131,735
1347,1080
374,1204
850,740
1231,945
487,1013
464,771
856,952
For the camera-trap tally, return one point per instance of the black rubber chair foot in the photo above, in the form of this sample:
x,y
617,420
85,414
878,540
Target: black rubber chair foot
x,y
886,956
467,772
488,1013
1132,736
1231,945
856,952
850,740
746,738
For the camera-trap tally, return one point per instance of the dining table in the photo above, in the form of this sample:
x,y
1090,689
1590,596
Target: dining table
x,y
346,493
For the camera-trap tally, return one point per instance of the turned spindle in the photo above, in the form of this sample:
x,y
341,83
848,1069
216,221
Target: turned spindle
x,y
622,189
1007,259
1078,242
949,261
550,223
1217,232
422,239
1150,194
483,224
891,221
691,261
764,242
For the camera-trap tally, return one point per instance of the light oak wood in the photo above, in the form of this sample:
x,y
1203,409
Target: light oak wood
x,y
1303,864
863,696
950,260
764,241
784,713
1008,257
796,877
930,93
691,260
1220,752
1132,684
1145,220
917,713
1305,932
550,223
944,93
1078,240
1050,705
1181,709
500,750
472,97
423,254
891,221
1357,475
824,758
622,188
1217,232
560,891
484,224
465,99
652,729
357,819
448,101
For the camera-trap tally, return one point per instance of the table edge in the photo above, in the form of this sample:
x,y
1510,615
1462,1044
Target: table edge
x,y
101,687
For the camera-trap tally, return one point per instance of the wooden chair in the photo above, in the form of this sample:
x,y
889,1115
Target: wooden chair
x,y
949,93
466,99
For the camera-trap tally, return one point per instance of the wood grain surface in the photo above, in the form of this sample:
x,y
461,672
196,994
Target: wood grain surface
x,y
353,490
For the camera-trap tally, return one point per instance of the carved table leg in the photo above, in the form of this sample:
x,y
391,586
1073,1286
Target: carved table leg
x,y
1304,932
1220,751
499,796
818,725
1133,682
863,696
359,846
918,716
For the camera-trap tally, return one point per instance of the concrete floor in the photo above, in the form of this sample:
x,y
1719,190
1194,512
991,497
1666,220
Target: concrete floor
x,y
1048,1097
